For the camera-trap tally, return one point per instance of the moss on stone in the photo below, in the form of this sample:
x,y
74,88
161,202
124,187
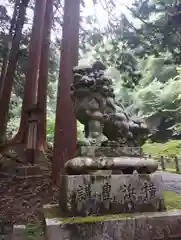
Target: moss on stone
x,y
35,230
96,218
54,212
172,201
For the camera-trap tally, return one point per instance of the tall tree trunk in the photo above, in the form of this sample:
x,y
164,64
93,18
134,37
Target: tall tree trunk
x,y
31,81
8,80
65,127
43,77
7,44
4,64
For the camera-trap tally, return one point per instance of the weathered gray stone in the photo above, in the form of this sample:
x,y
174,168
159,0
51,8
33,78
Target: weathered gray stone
x,y
165,225
19,232
120,160
149,226
96,107
113,151
84,195
126,165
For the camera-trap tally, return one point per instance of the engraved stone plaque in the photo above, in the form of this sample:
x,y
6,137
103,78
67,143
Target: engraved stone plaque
x,y
84,195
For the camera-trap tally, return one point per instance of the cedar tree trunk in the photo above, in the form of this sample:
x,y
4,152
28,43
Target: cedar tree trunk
x,y
31,80
8,80
65,126
7,44
43,77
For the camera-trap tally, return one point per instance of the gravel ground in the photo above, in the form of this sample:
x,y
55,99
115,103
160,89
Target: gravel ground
x,y
172,181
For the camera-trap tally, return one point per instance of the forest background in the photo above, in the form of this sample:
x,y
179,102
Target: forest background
x,y
139,41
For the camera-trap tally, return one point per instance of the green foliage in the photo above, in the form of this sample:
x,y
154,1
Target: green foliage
x,y
159,98
118,55
156,93
150,68
160,26
35,231
171,148
50,129
142,54
14,115
51,126
172,200
176,128
80,129
12,127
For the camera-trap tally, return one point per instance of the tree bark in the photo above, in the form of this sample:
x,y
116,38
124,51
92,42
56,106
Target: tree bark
x,y
31,83
7,44
8,80
31,79
43,77
4,64
65,126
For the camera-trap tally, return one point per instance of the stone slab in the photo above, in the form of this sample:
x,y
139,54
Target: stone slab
x,y
91,151
19,232
85,195
149,226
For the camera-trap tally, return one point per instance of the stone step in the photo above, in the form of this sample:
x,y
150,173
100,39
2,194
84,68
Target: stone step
x,y
149,226
19,232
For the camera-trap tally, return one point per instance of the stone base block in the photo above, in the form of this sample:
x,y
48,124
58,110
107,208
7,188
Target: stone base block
x,y
85,195
92,151
19,232
149,226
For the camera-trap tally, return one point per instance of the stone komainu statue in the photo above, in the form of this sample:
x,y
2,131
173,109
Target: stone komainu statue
x,y
95,106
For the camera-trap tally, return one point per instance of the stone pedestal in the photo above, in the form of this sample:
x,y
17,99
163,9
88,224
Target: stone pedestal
x,y
84,195
150,226
95,151
118,160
